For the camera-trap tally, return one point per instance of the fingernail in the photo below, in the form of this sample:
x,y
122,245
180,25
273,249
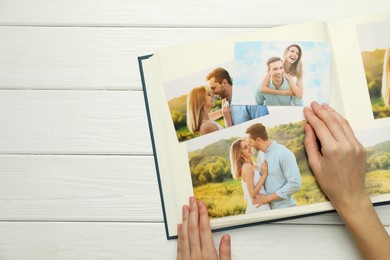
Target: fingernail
x,y
324,105
226,238
192,200
185,210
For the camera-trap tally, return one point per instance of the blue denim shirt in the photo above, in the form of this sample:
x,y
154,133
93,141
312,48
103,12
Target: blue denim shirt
x,y
283,177
243,113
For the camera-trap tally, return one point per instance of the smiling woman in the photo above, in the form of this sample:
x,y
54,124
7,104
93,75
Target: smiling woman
x,y
199,104
254,77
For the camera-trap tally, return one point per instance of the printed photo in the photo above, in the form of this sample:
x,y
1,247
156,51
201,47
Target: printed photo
x,y
200,103
281,73
261,165
375,50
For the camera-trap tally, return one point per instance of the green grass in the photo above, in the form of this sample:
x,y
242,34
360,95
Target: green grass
x,y
310,192
183,133
222,199
227,199
379,109
378,182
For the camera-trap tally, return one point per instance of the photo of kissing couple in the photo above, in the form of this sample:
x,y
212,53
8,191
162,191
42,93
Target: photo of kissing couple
x,y
270,181
257,166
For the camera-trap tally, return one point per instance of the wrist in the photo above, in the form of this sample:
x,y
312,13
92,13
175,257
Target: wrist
x,y
351,211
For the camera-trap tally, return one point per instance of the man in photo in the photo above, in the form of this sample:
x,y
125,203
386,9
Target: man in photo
x,y
284,178
277,82
221,85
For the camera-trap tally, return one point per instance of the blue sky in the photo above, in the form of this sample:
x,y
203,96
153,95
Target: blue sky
x,y
250,69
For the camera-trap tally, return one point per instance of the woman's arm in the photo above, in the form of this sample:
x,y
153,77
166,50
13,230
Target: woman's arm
x,y
227,116
296,87
216,114
265,89
207,127
339,167
264,174
248,173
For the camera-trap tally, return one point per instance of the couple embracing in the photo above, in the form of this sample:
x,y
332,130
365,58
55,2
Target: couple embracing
x,y
271,183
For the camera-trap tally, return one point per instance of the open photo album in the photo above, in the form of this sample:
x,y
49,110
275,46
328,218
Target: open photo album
x,y
227,125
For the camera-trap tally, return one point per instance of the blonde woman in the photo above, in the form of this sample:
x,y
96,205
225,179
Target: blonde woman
x,y
292,65
243,168
386,79
199,103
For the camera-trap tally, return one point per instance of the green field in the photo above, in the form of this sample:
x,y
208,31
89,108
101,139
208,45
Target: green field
x,y
227,199
184,134
378,108
378,182
222,199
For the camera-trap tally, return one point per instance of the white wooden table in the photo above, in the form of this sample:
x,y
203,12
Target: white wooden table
x,y
77,179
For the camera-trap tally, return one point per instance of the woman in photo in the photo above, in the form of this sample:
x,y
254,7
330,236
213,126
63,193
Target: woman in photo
x,y
243,168
199,103
386,79
292,65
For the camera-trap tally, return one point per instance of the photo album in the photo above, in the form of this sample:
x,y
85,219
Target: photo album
x,y
227,125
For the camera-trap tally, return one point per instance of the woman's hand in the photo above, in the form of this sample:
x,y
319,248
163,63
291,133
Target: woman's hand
x,y
287,76
264,168
226,113
339,164
195,240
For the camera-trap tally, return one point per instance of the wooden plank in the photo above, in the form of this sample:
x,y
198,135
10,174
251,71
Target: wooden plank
x,y
94,188
79,188
180,13
85,58
73,122
29,240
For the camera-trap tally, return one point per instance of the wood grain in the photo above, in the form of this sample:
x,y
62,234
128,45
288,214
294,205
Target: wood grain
x,y
73,122
175,13
84,57
31,240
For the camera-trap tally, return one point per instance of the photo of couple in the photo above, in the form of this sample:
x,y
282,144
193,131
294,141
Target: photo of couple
x,y
271,181
208,108
282,85
273,73
256,166
261,165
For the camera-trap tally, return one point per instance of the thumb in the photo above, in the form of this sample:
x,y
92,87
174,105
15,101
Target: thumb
x,y
225,248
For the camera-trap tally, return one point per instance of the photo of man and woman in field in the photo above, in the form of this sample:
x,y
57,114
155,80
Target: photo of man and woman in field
x,y
262,165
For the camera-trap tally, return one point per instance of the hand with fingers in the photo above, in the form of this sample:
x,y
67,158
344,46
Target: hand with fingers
x,y
339,167
195,240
